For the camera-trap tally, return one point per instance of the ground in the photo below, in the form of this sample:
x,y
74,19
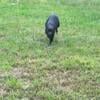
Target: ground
x,y
69,69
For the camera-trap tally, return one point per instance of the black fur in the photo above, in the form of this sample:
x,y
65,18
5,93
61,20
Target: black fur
x,y
51,26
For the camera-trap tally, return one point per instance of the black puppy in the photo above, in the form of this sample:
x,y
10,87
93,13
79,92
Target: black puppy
x,y
51,26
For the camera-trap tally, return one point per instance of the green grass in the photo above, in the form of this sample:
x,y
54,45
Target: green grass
x,y
67,70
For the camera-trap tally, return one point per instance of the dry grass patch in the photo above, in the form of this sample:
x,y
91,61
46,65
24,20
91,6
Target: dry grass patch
x,y
2,90
62,80
21,72
3,76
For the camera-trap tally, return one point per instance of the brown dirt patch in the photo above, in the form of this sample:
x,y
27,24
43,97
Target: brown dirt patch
x,y
62,80
2,90
21,72
3,76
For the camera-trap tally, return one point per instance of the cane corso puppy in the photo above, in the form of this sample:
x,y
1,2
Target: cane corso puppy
x,y
51,26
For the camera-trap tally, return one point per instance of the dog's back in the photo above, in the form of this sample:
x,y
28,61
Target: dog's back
x,y
52,20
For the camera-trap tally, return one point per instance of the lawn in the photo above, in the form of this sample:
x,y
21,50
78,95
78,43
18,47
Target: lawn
x,y
69,69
